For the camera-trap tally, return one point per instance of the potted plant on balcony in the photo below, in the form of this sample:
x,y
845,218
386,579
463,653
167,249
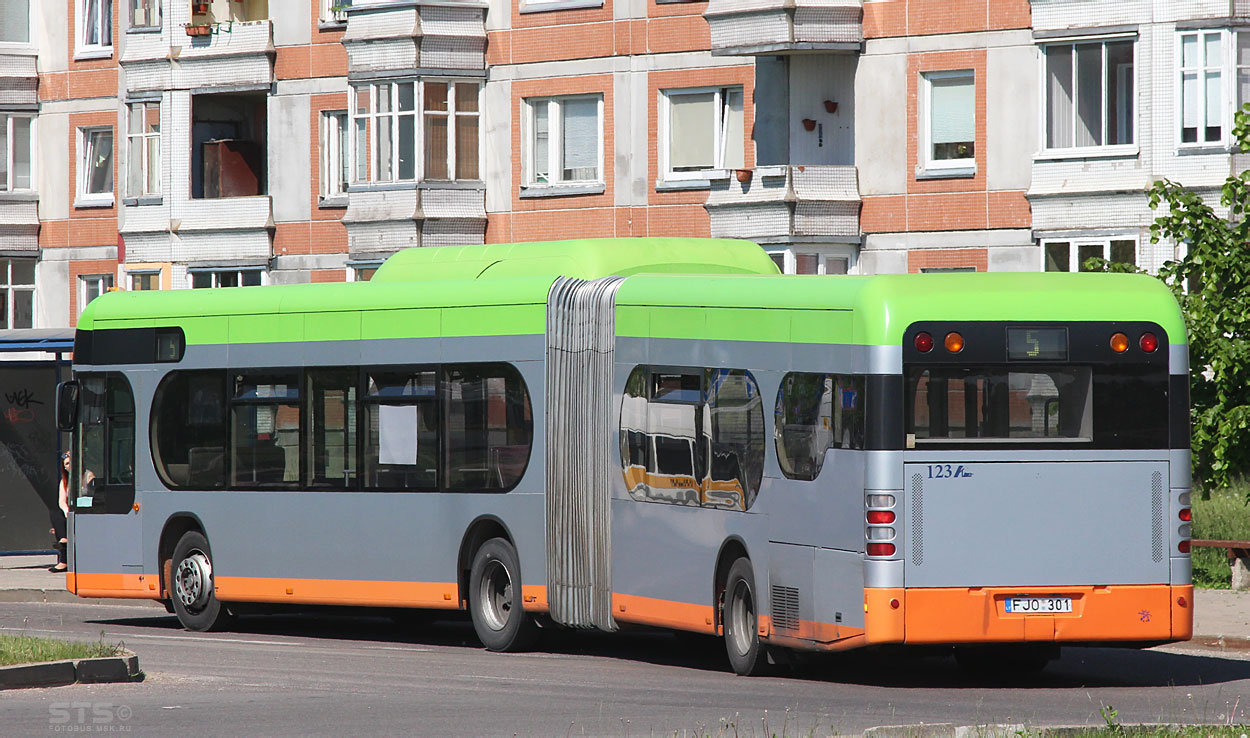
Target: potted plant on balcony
x,y
201,29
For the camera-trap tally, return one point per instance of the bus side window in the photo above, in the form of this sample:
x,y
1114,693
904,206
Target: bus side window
x,y
265,416
488,426
814,413
106,462
189,429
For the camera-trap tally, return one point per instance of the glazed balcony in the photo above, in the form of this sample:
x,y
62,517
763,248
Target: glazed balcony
x,y
776,27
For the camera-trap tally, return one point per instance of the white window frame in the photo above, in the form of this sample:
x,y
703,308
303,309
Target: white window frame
x,y
101,199
420,113
1075,243
354,268
824,254
1230,81
103,282
335,156
11,289
29,43
555,140
156,5
10,155
104,21
130,279
331,16
926,121
143,152
538,6
216,274
1104,149
717,170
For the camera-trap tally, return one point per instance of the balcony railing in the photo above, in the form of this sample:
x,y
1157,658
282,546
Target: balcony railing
x,y
754,27
778,204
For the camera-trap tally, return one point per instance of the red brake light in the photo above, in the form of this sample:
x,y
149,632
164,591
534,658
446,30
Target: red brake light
x,y
1148,342
880,517
1119,343
1183,547
884,549
1185,514
924,342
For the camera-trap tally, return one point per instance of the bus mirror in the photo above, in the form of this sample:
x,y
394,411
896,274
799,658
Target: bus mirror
x,y
66,406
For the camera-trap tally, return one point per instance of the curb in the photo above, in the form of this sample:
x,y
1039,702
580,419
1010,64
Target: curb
x,y
63,597
123,668
950,730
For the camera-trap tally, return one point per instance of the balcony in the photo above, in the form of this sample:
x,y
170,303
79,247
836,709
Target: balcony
x,y
775,27
231,54
383,221
787,204
435,35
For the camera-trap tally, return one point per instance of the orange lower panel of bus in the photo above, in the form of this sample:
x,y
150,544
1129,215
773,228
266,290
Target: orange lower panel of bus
x,y
1129,613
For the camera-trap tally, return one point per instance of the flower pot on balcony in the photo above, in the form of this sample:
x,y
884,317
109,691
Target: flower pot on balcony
x,y
199,8
809,124
831,107
743,175
204,30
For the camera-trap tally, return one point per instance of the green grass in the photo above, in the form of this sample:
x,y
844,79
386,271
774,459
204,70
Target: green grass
x,y
18,649
1224,515
1150,731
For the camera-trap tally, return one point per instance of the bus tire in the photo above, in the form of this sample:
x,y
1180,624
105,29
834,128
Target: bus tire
x,y
741,621
495,599
195,602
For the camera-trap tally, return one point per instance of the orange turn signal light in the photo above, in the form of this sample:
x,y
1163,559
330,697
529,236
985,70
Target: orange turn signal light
x,y
1119,343
954,342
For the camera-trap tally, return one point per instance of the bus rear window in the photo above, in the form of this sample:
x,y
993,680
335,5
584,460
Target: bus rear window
x,y
968,404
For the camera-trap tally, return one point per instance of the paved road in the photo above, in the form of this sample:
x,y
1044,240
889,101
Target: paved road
x,y
301,674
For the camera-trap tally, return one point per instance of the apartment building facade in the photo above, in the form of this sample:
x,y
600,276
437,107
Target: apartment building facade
x,y
167,144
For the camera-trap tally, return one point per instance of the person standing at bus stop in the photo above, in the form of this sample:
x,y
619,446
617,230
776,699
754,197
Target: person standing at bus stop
x,y
60,514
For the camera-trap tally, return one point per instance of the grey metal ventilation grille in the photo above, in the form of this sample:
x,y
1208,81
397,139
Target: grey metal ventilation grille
x,y
917,520
1156,517
785,608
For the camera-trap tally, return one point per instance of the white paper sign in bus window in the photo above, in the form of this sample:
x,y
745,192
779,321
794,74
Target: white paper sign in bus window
x,y
397,434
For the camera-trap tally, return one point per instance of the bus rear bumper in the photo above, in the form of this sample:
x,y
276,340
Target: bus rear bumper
x,y
1100,614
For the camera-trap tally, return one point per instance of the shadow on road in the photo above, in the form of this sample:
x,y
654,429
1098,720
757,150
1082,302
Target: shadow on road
x,y
1078,667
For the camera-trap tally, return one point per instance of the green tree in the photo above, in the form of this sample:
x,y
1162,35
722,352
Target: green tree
x,y
1212,284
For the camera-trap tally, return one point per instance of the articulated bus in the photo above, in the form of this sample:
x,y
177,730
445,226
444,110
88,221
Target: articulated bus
x,y
659,432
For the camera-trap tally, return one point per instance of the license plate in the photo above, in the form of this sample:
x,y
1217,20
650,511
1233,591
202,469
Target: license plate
x,y
1039,604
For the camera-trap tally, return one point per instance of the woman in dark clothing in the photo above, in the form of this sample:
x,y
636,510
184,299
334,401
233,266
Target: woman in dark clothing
x,y
59,515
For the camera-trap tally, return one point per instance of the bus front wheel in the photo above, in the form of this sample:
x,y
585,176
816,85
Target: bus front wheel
x,y
195,602
495,599
741,621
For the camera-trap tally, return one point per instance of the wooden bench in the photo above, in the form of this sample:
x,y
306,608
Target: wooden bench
x,y
1238,559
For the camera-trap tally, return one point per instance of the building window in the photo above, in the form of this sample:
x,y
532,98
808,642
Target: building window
x,y
1241,53
95,28
948,129
1202,105
17,293
703,130
334,11
814,260
386,136
15,22
362,271
565,140
1070,256
1089,94
144,281
143,149
95,171
335,167
145,13
91,286
17,146
228,145
204,278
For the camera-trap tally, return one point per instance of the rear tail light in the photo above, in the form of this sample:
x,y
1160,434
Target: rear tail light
x,y
1183,547
880,500
1185,514
954,342
1148,342
1119,343
885,517
1184,530
923,342
880,533
1183,498
887,549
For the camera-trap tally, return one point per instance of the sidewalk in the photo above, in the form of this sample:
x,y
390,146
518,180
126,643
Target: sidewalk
x,y
1221,616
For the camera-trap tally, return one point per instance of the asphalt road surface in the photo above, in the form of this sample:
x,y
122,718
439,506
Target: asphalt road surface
x,y
334,673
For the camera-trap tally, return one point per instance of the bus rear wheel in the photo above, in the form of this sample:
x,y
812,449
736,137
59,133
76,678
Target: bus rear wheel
x,y
195,602
742,639
495,599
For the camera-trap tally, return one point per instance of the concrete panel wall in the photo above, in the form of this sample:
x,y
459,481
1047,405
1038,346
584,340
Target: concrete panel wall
x,y
1012,100
497,141
290,150
290,21
881,124
814,79
52,131
629,89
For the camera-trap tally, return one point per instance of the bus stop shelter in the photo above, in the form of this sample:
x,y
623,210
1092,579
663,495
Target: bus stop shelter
x,y
32,362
